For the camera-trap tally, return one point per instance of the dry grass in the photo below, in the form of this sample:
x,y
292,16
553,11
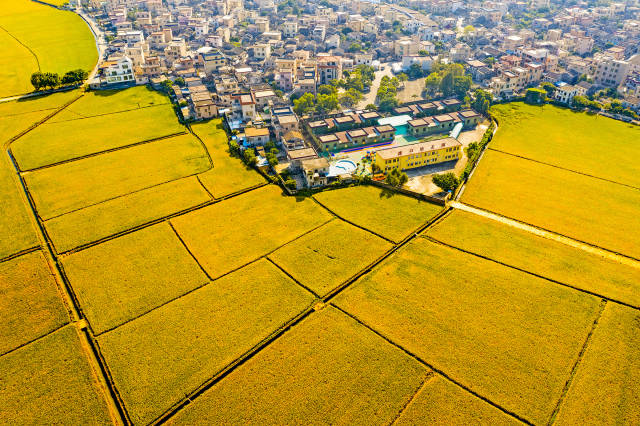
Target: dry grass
x,y
580,207
328,370
29,301
230,234
128,276
606,387
160,357
509,336
391,215
325,258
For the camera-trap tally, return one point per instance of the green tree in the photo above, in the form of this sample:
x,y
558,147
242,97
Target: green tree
x,y
481,100
548,87
448,182
396,178
371,107
250,157
326,103
37,80
304,104
461,85
446,84
74,76
535,95
179,81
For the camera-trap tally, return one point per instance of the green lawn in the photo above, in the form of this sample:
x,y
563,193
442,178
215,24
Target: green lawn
x,y
229,174
162,356
391,215
123,278
71,139
29,301
606,387
544,257
328,370
61,189
50,381
590,144
327,257
229,234
507,335
120,214
580,207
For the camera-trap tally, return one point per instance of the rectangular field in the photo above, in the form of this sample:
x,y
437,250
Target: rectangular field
x,y
229,174
540,256
584,208
37,103
67,187
17,64
586,143
236,231
606,387
327,370
29,301
123,278
487,326
71,139
325,258
50,381
160,357
120,214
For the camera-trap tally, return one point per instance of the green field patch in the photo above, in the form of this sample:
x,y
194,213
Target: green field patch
x,y
17,64
229,174
36,103
52,143
123,278
538,255
587,143
327,370
227,235
102,220
61,189
442,403
100,102
580,207
160,357
392,215
509,336
29,301
606,387
326,257
50,381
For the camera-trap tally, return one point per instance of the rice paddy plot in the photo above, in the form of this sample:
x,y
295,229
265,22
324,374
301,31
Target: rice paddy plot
x,y
17,64
326,257
327,370
511,337
540,256
440,402
36,103
103,220
157,359
56,142
606,387
392,215
580,207
587,143
29,301
70,186
229,174
234,232
123,278
49,381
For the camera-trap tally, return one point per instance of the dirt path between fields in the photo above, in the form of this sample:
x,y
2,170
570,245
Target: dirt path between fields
x,y
548,235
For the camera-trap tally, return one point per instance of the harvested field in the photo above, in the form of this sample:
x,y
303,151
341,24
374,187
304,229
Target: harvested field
x,y
325,258
229,174
50,381
71,139
120,214
160,357
606,387
442,403
327,370
29,301
485,325
580,207
540,256
123,278
82,183
230,234
587,143
389,214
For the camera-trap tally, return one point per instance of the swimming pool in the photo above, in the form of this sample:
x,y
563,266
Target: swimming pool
x,y
341,167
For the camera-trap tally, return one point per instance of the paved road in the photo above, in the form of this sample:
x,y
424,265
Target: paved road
x,y
370,98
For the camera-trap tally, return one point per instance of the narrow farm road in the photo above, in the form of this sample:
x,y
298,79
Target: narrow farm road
x,y
548,235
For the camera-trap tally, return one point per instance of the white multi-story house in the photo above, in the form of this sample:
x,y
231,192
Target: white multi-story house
x,y
118,70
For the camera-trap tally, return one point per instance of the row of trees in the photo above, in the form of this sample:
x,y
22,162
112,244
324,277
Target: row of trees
x,y
448,79
387,92
51,80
